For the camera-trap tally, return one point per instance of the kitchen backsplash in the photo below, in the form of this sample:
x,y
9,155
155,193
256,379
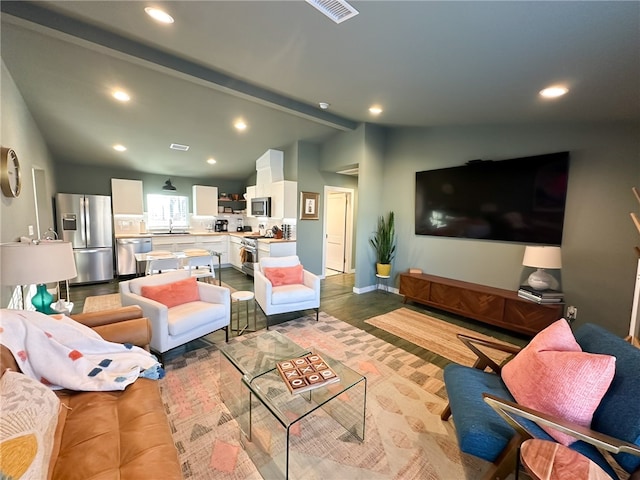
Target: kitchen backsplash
x,y
132,224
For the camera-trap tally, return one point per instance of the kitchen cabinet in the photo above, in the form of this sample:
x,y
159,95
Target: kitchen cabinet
x,y
216,243
205,200
284,203
251,194
235,247
269,248
126,197
172,243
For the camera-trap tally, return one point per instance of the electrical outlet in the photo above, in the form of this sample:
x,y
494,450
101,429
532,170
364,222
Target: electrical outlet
x,y
572,313
30,230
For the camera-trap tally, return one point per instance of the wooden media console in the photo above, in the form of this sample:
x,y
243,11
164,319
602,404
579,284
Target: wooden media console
x,y
495,306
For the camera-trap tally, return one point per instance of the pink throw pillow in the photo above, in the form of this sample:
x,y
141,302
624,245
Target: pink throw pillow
x,y
553,375
172,294
284,275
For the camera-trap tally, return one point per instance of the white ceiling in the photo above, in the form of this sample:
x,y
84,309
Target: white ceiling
x,y
270,62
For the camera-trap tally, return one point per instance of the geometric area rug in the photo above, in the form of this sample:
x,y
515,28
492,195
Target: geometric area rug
x,y
404,436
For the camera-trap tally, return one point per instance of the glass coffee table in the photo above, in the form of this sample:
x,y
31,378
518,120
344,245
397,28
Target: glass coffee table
x,y
270,416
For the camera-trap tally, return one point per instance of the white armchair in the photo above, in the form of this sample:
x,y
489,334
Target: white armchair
x,y
274,300
177,325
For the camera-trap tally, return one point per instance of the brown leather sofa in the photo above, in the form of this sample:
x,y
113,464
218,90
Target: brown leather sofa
x,y
112,435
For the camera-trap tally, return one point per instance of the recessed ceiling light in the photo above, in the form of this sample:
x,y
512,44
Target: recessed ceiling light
x,y
159,15
240,125
121,95
553,92
211,161
119,148
323,105
375,110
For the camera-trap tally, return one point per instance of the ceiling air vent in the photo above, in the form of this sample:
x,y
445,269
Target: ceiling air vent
x,y
336,10
177,146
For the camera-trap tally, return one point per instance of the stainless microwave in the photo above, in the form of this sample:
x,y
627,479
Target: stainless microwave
x,y
261,207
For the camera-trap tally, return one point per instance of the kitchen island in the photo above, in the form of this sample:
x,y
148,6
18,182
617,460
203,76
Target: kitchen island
x,y
228,244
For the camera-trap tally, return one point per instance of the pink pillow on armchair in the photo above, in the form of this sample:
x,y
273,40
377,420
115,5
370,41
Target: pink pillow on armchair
x,y
284,275
553,375
173,294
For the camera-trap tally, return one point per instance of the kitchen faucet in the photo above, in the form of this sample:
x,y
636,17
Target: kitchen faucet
x,y
170,226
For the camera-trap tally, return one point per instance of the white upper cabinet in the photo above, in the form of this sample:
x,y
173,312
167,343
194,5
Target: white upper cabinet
x,y
126,197
205,200
284,199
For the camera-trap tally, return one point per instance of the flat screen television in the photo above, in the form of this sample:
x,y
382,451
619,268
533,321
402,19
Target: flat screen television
x,y
520,200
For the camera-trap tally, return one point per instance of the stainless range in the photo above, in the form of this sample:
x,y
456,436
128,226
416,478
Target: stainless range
x,y
250,253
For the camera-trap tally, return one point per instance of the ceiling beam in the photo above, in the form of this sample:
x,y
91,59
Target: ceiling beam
x,y
48,18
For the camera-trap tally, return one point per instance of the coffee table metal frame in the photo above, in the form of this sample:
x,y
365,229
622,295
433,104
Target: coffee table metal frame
x,y
249,382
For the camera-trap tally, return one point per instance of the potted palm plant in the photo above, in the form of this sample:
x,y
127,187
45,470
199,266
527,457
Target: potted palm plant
x,y
384,243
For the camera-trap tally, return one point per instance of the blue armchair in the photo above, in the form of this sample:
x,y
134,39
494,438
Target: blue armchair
x,y
491,425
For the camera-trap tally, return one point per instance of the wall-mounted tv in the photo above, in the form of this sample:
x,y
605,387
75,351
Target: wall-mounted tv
x,y
520,200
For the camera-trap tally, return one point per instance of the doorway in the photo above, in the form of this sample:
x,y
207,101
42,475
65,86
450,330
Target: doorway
x,y
338,230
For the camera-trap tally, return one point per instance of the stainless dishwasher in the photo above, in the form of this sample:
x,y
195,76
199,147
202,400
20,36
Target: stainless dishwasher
x,y
126,250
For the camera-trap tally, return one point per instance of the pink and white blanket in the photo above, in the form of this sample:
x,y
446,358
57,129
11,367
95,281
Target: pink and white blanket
x,y
63,353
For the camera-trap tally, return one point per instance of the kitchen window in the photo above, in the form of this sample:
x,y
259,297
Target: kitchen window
x,y
167,211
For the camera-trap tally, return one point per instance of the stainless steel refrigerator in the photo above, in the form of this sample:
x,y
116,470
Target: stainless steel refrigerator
x,y
85,221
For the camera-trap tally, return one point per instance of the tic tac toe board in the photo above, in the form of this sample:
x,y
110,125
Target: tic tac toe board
x,y
305,373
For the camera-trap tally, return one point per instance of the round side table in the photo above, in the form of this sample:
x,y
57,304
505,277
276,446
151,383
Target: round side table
x,y
243,296
383,281
545,460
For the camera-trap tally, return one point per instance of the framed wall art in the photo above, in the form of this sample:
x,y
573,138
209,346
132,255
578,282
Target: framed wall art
x,y
309,205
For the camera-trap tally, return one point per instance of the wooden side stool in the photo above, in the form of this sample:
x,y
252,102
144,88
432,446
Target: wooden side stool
x,y
243,296
545,460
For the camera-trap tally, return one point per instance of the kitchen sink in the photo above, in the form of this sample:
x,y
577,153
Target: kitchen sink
x,y
171,233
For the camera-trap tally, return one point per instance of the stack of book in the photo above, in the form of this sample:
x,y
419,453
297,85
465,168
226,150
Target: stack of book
x,y
540,296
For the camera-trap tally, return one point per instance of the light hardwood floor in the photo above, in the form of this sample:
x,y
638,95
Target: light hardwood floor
x,y
338,300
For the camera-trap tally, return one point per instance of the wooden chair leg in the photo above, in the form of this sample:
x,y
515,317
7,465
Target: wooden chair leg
x,y
317,314
506,462
226,334
446,413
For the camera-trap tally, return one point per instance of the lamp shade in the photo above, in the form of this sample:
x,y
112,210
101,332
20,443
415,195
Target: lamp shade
x,y
27,263
542,257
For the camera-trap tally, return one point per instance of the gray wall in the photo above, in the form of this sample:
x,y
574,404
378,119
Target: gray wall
x,y
311,178
72,178
20,132
599,262
363,148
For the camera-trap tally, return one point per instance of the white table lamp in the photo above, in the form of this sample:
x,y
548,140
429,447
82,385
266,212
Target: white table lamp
x,y
28,264
541,258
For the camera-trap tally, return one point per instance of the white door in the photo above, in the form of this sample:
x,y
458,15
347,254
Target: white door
x,y
336,230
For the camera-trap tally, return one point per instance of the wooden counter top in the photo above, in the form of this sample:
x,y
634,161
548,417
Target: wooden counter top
x,y
200,234
170,235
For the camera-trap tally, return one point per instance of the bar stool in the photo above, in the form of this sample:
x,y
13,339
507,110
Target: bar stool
x,y
243,296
